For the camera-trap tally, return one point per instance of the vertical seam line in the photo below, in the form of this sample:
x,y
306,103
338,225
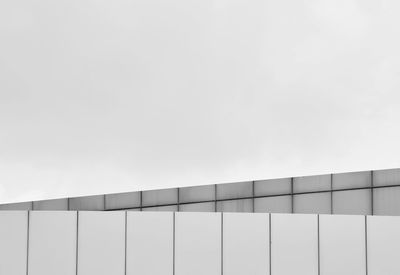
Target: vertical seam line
x,y
366,243
173,243
222,243
319,247
126,239
77,242
270,244
27,243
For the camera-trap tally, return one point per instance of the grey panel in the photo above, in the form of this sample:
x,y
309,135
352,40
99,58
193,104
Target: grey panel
x,y
246,244
386,177
198,243
356,202
234,190
13,242
101,243
16,206
93,203
279,204
52,243
150,243
387,201
351,180
383,243
312,183
123,200
161,208
316,203
273,187
197,193
342,245
245,205
57,204
160,197
198,207
294,249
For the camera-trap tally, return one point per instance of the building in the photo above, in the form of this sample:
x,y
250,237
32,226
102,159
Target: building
x,y
326,224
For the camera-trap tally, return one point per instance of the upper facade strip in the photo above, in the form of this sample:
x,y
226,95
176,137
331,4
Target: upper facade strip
x,y
365,193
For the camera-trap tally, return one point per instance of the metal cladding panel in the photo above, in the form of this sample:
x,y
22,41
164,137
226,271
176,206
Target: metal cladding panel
x,y
101,243
294,244
386,177
123,200
383,245
52,243
13,242
57,204
198,207
20,206
386,201
352,202
315,203
312,183
150,243
197,193
342,245
93,203
160,197
351,180
197,243
162,208
234,190
245,244
279,204
273,187
245,205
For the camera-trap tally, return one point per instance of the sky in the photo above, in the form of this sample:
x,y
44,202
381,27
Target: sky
x,y
104,96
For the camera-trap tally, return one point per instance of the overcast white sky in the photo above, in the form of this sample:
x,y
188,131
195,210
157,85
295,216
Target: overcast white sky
x,y
102,96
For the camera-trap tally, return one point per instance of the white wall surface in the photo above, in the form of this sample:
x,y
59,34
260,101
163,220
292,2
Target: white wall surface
x,y
197,244
150,243
383,245
245,244
294,244
13,242
52,243
342,245
101,243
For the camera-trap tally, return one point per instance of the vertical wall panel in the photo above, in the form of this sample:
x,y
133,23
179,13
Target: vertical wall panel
x,y
150,243
198,243
246,244
52,243
101,243
342,245
383,245
294,247
13,242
